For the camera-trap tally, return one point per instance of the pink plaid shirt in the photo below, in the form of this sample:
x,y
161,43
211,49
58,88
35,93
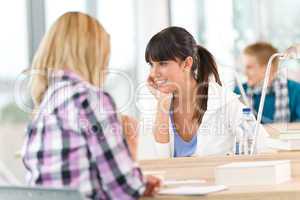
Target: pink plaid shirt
x,y
76,140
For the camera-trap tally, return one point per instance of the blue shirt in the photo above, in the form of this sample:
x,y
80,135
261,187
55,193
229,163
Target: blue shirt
x,y
269,107
181,147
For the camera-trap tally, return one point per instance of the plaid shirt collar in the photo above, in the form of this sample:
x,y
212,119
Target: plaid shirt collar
x,y
69,75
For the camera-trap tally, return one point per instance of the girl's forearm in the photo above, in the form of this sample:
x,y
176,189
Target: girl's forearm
x,y
161,126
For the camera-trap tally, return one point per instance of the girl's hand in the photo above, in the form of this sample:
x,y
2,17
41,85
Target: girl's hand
x,y
161,96
152,186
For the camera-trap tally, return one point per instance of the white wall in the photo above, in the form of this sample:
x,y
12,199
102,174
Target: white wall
x,y
152,17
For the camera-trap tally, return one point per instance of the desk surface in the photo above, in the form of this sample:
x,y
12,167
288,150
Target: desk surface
x,y
275,129
203,168
285,191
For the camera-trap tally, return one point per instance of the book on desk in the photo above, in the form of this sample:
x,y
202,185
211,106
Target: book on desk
x,y
253,173
285,140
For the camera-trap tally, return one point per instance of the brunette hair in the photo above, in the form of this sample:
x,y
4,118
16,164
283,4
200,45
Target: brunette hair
x,y
175,43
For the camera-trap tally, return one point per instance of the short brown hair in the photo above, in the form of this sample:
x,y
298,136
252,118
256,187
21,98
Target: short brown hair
x,y
262,51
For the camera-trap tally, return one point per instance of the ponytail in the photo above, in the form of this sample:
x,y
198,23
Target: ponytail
x,y
202,69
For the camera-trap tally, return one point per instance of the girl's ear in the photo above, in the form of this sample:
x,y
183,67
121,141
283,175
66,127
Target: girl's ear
x,y
188,63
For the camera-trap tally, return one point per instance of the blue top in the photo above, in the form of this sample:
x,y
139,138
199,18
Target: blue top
x,y
269,107
181,147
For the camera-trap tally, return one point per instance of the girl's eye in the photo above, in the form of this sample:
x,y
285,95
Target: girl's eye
x,y
162,63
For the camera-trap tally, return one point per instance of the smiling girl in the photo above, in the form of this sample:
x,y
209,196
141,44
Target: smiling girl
x,y
195,114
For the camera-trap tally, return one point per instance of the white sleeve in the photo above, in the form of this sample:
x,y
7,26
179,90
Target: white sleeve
x,y
162,150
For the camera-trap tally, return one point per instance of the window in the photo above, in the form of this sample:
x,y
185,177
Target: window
x,y
117,17
276,22
13,39
189,14
14,55
14,58
55,8
226,27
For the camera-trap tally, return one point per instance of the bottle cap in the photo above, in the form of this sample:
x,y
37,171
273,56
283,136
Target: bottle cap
x,y
246,110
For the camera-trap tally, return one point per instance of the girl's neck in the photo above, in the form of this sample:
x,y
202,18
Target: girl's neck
x,y
186,94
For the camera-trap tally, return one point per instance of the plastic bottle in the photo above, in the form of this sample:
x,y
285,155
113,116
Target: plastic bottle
x,y
248,127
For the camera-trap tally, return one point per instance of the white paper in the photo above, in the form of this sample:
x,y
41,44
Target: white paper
x,y
192,190
183,182
252,164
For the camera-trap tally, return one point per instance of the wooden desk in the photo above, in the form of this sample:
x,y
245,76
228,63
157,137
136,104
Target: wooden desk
x,y
276,128
286,191
203,168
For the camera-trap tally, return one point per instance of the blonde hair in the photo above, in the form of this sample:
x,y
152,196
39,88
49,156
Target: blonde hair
x,y
262,51
77,42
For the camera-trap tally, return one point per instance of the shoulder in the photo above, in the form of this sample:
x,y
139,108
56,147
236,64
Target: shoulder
x,y
217,91
76,95
237,89
95,98
87,92
220,97
294,92
293,85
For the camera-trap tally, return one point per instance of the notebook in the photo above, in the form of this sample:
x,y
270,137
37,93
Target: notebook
x,y
253,173
286,144
38,193
192,190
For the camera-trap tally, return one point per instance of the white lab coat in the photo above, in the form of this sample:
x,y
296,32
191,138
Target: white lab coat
x,y
216,134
